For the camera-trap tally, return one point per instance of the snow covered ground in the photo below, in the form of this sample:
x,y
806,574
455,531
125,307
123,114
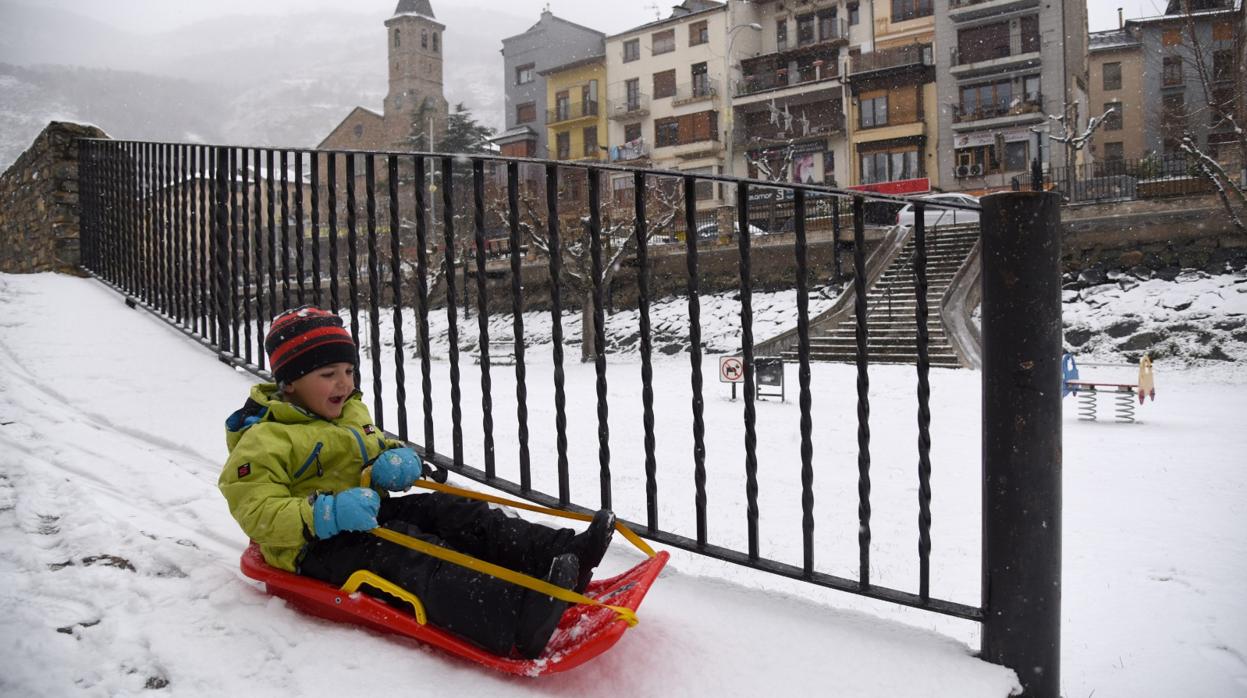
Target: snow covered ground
x,y
120,559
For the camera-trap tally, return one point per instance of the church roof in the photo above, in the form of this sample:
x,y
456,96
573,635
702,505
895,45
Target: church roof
x,y
415,7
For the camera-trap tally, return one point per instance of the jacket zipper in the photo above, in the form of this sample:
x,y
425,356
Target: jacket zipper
x,y
315,457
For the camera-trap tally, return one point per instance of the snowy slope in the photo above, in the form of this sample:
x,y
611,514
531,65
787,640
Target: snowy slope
x,y
121,557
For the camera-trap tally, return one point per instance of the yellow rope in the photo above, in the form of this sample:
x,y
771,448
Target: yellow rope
x,y
527,581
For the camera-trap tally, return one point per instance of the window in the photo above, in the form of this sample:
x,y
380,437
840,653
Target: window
x,y
1171,37
1223,65
590,138
398,41
632,93
805,29
1017,156
1222,106
781,34
910,9
690,128
1171,71
358,130
1112,122
701,80
827,25
622,192
562,106
986,101
829,167
632,132
664,84
703,190
1032,93
424,38
667,131
1030,34
632,50
663,42
589,98
563,145
889,166
855,15
525,113
524,74
1112,76
434,42
983,43
874,111
698,33
1114,151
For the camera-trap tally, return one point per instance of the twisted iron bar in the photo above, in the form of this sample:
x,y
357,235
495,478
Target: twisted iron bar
x,y
746,346
482,315
556,331
396,288
694,354
352,247
863,393
647,368
801,250
924,400
285,231
258,232
332,216
517,324
599,335
422,301
374,287
448,231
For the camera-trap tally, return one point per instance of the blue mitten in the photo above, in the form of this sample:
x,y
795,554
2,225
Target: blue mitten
x,y
396,469
349,510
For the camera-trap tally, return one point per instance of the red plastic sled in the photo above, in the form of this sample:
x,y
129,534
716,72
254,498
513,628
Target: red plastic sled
x,y
584,632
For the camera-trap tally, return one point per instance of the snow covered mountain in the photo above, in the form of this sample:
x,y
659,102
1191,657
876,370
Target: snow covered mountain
x,y
251,80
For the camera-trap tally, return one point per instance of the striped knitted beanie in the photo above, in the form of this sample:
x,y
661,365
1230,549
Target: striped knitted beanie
x,y
304,339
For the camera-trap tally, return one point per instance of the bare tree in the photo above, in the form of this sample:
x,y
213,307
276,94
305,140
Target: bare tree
x,y
1071,138
1220,108
619,241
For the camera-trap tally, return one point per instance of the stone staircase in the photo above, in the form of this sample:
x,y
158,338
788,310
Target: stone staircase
x,y
890,302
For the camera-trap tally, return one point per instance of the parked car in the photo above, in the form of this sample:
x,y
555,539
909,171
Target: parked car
x,y
710,231
936,215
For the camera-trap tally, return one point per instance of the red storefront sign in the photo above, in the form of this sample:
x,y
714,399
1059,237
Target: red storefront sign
x,y
920,185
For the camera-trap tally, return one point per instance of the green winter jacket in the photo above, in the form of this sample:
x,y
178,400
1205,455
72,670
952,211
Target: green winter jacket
x,y
281,456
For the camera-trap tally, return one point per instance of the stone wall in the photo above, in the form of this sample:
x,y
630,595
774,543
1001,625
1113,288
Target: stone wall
x,y
1149,238
39,202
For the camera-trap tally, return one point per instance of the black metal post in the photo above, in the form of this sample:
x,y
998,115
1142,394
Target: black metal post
x,y
1022,437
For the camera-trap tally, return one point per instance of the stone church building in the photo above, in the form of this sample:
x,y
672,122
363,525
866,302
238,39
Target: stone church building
x,y
415,54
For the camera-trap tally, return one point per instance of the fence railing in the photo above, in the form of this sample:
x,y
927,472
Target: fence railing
x,y
217,239
1122,179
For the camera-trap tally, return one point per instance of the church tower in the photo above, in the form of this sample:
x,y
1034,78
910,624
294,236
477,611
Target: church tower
x,y
415,43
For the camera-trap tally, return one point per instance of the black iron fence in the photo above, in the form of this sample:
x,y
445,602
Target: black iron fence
x,y
1126,179
217,239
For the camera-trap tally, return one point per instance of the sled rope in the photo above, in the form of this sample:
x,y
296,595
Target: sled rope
x,y
541,586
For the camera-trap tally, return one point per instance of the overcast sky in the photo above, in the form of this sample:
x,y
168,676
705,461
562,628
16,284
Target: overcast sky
x,y
609,16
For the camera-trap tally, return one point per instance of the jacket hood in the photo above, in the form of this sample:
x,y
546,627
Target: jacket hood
x,y
264,404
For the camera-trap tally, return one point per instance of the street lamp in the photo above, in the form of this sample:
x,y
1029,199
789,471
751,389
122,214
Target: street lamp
x,y
727,75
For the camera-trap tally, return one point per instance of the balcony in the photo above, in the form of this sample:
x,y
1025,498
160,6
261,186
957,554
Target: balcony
x,y
695,91
571,111
628,107
962,10
631,151
764,134
763,81
891,59
988,61
1031,104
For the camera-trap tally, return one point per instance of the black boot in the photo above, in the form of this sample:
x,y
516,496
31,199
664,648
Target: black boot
x,y
540,614
591,546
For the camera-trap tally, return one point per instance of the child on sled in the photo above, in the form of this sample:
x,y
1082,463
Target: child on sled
x,y
297,449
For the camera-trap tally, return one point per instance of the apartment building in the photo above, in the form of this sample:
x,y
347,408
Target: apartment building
x,y
788,92
1004,66
893,107
575,114
665,94
1172,77
1116,83
551,42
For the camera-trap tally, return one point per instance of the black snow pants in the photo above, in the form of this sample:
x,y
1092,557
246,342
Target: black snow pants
x,y
475,606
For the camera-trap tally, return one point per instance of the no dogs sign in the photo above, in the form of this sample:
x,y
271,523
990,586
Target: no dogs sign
x,y
731,369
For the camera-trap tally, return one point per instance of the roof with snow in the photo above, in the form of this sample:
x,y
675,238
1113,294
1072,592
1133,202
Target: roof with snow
x,y
679,13
1112,39
415,7
547,16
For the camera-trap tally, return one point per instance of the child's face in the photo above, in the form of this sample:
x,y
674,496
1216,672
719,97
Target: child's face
x,y
325,390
